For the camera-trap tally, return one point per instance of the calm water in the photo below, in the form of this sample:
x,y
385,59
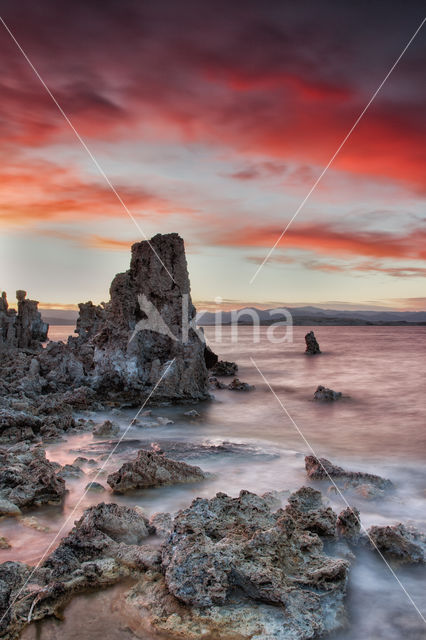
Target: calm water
x,y
378,426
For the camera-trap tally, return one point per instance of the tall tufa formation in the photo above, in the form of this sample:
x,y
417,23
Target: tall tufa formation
x,y
312,346
146,332
22,330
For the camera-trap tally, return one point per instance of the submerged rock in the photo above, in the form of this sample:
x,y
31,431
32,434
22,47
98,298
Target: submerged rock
x,y
312,346
400,543
323,469
28,479
322,394
152,470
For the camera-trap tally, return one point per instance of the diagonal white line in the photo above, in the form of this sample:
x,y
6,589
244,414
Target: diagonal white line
x,y
335,154
85,147
338,490
86,490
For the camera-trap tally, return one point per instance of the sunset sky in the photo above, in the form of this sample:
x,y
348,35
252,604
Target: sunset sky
x,y
214,119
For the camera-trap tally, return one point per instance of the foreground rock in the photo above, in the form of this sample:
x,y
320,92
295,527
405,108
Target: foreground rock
x,y
28,479
106,428
370,484
152,470
312,346
236,569
402,544
102,548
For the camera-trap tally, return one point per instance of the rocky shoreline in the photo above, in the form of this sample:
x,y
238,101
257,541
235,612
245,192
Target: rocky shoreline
x,y
251,567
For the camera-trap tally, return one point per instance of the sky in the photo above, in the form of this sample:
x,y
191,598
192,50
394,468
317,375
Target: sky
x,y
214,120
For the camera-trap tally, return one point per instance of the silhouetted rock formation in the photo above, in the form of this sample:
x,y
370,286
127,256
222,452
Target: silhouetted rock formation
x,y
22,330
312,346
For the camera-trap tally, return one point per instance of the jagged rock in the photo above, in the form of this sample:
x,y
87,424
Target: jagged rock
x,y
306,508
152,470
349,524
405,545
106,428
103,547
237,385
231,554
27,478
312,346
224,368
162,523
23,330
216,384
147,329
322,394
323,469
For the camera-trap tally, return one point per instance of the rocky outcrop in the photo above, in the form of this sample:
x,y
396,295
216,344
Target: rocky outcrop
x,y
106,428
323,469
312,346
24,329
237,385
28,479
307,509
399,543
152,470
146,331
238,569
322,394
224,368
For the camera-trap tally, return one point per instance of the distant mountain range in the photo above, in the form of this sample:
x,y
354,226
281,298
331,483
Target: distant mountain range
x,y
315,316
301,316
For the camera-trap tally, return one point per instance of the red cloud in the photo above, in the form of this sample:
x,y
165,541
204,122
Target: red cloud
x,y
326,240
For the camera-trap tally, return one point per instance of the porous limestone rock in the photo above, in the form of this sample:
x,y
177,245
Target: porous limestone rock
x,y
24,329
307,509
106,428
237,385
152,470
224,368
349,524
312,346
27,478
146,331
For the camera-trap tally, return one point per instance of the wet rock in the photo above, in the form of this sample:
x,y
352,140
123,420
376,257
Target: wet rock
x,y
27,478
400,543
224,368
106,428
323,469
214,383
32,523
237,385
322,394
349,524
152,470
70,471
95,487
312,346
306,508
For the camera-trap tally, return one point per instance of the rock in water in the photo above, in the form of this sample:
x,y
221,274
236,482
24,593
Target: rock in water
x,y
224,368
323,469
405,545
322,394
312,346
152,470
147,329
